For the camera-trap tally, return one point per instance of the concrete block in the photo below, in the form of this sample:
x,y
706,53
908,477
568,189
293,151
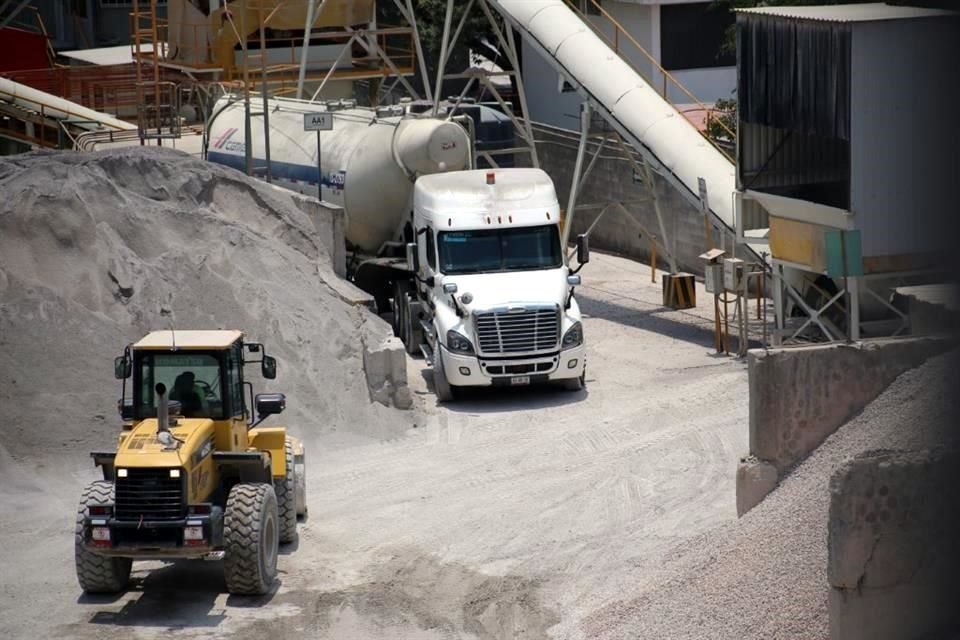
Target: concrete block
x,y
892,553
755,480
385,365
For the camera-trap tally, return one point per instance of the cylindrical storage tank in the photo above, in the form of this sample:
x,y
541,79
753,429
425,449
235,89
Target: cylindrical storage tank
x,y
368,164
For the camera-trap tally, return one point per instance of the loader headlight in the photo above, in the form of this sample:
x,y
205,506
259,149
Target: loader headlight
x,y
573,337
458,343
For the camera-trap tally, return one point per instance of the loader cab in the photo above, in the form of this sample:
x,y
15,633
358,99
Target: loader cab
x,y
203,371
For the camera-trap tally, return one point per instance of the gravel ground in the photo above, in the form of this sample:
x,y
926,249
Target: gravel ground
x,y
765,575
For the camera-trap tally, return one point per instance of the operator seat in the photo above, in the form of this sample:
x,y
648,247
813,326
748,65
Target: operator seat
x,y
184,392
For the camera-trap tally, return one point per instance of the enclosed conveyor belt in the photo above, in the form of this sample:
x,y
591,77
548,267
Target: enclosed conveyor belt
x,y
668,141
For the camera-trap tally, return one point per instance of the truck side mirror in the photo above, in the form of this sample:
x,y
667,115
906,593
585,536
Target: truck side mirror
x,y
122,367
269,404
583,249
269,367
413,259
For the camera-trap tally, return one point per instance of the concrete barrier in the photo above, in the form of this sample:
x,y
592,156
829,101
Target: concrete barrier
x,y
801,395
893,556
612,180
330,223
385,364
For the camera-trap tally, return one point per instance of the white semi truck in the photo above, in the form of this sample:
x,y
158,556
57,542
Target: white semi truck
x,y
469,262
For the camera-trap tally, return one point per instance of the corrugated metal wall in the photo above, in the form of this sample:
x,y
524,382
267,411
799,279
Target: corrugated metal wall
x,y
787,162
905,134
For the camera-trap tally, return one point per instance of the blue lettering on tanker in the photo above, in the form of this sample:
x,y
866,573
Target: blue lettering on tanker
x,y
298,173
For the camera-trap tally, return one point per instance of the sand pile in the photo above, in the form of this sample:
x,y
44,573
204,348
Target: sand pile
x,y
97,249
765,575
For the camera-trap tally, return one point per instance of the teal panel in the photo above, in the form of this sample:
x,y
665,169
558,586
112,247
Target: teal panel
x,y
838,242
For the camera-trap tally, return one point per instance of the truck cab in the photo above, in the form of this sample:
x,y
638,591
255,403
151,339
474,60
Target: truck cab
x,y
496,292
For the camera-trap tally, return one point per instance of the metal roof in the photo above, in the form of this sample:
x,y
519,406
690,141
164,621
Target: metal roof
x,y
107,56
188,339
869,12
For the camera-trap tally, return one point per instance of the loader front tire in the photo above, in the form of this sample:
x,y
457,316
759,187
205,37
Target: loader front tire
x,y
95,573
286,490
251,536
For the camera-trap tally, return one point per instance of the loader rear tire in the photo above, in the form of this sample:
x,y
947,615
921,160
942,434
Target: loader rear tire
x,y
286,490
95,573
251,539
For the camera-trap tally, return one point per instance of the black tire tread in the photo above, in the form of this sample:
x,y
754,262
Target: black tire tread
x,y
242,528
95,573
286,490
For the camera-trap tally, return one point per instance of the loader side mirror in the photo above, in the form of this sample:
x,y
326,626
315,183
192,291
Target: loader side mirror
x,y
122,367
269,367
269,404
583,249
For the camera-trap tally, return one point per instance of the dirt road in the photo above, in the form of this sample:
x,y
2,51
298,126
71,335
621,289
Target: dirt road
x,y
503,516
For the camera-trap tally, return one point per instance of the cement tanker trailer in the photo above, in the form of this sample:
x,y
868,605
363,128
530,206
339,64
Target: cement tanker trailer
x,y
469,262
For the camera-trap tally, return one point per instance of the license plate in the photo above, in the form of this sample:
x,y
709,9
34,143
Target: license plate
x,y
518,380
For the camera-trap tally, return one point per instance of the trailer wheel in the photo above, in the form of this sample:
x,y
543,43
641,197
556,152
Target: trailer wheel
x,y
445,391
95,573
286,490
251,539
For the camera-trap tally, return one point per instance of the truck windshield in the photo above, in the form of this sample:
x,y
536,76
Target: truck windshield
x,y
192,379
489,250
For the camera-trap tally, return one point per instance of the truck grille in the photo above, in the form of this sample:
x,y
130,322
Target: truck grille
x,y
150,494
528,330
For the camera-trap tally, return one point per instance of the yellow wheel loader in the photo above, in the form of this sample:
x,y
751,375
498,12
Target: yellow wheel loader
x,y
194,474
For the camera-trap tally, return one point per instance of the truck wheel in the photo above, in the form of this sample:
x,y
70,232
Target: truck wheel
x,y
397,311
441,386
286,490
410,334
300,468
250,539
97,574
576,384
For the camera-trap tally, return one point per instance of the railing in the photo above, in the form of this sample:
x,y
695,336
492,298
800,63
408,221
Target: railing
x,y
620,36
195,49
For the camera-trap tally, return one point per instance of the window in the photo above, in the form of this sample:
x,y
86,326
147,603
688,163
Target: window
x,y
563,86
235,405
692,36
431,249
589,8
192,379
491,250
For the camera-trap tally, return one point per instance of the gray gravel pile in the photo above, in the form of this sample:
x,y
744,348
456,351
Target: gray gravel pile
x,y
97,249
765,575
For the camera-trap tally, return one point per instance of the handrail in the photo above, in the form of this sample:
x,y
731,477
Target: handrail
x,y
618,28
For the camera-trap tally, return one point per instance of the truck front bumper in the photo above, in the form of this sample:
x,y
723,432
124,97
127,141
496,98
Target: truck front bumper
x,y
478,371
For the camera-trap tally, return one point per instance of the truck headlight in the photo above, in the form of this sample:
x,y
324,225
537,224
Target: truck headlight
x,y
573,337
458,343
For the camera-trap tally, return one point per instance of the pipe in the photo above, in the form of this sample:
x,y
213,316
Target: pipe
x,y
163,409
34,100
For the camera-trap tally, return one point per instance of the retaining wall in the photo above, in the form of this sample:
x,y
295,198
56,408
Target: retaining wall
x,y
801,395
612,180
893,556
